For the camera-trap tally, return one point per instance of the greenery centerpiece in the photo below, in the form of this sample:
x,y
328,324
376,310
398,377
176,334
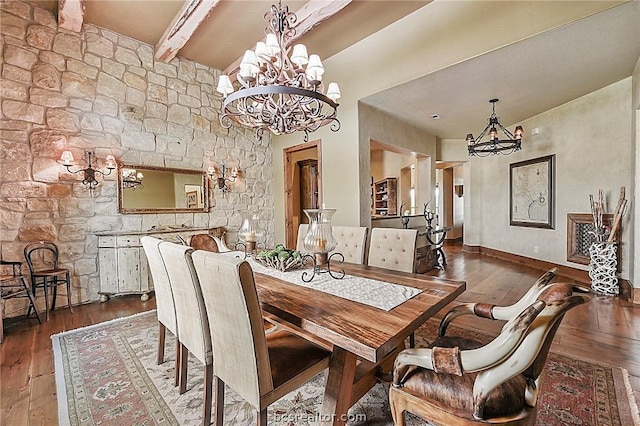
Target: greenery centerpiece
x,y
281,258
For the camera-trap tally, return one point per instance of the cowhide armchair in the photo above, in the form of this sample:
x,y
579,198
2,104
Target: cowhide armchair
x,y
495,312
459,381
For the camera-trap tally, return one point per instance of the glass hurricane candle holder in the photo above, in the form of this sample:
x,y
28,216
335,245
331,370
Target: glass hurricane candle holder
x,y
319,241
249,233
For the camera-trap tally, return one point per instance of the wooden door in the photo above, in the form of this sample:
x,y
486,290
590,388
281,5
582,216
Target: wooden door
x,y
293,186
308,186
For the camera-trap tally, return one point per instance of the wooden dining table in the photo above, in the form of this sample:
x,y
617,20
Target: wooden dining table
x,y
364,339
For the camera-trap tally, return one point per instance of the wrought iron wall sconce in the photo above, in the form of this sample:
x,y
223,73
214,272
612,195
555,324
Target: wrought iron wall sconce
x,y
223,176
88,173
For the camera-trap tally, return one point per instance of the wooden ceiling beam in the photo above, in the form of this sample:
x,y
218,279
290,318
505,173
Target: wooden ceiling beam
x,y
71,14
184,24
309,15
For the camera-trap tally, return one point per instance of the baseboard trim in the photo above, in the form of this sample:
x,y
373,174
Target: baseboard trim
x,y
471,249
452,241
626,289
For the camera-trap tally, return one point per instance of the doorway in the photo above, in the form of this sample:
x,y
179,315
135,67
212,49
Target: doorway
x,y
303,185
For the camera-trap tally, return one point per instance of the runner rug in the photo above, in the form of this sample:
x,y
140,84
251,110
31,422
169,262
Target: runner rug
x,y
106,374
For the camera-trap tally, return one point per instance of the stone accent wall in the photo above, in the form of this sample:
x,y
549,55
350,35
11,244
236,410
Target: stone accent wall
x,y
104,92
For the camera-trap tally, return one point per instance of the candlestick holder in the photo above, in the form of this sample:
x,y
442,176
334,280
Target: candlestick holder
x,y
428,216
404,218
249,233
319,241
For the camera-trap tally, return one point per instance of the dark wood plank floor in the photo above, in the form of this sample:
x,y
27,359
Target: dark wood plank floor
x,y
606,330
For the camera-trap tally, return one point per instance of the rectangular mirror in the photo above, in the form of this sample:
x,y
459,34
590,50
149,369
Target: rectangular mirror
x,y
145,189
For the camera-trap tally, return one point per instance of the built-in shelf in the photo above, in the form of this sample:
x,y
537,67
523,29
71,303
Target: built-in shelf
x,y
384,202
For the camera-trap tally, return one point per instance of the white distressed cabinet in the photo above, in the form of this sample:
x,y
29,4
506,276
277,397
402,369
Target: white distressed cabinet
x,y
123,264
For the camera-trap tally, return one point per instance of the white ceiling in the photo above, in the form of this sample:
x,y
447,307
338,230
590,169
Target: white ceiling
x,y
530,76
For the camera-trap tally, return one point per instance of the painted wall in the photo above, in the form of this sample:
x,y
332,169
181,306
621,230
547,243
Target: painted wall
x,y
634,211
101,91
363,69
591,139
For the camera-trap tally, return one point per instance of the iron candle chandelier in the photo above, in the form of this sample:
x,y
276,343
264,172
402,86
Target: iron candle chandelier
x,y
495,145
278,92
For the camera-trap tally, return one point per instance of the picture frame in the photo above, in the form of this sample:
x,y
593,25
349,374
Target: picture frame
x,y
192,199
531,193
580,237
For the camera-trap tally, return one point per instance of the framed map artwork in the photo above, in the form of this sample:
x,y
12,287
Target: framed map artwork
x,y
531,190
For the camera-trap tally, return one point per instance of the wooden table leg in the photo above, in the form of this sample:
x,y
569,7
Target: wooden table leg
x,y
337,393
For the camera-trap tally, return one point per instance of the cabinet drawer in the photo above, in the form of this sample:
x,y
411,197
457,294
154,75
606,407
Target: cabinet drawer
x,y
106,241
128,241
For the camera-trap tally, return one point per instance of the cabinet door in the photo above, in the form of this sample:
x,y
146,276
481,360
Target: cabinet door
x,y
108,270
146,283
129,269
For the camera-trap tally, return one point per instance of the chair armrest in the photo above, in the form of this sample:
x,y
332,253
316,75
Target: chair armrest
x,y
469,360
482,310
504,313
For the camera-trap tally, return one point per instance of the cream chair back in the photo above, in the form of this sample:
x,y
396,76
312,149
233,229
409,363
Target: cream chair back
x,y
165,306
191,314
239,342
303,228
351,242
393,248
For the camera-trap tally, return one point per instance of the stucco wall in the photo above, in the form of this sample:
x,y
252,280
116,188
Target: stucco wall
x,y
591,139
634,211
101,91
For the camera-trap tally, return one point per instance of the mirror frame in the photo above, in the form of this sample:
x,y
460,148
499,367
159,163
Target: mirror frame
x,y
205,190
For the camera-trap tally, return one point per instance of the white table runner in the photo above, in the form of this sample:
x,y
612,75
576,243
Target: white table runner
x,y
378,294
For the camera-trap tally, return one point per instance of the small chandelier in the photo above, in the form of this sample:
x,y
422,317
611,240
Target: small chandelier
x,y
495,145
278,92
222,175
132,179
89,172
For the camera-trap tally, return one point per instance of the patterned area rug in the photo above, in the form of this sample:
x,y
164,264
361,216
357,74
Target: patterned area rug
x,y
106,374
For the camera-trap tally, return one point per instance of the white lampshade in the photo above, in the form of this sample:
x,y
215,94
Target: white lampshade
x,y
272,45
249,64
211,171
315,68
224,85
67,158
261,52
111,162
333,92
299,55
139,176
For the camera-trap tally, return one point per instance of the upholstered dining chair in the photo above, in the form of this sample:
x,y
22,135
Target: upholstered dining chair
x,y
460,381
14,285
191,318
260,367
393,248
303,228
496,312
351,242
203,242
43,261
165,305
